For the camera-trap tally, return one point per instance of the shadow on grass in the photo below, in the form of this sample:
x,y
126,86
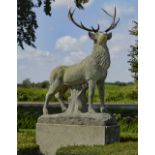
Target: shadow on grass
x,y
131,139
127,136
29,151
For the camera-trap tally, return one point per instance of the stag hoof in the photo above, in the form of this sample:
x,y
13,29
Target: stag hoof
x,y
63,108
104,110
91,110
45,111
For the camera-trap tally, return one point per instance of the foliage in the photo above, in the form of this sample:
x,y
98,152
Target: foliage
x,y
27,19
134,30
127,123
26,83
128,136
27,119
133,54
126,148
26,22
31,94
27,116
118,94
79,3
44,84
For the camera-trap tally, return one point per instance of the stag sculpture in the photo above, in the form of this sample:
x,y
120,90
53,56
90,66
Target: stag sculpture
x,y
91,71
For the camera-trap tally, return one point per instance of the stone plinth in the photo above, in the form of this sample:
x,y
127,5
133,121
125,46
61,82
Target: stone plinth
x,y
54,131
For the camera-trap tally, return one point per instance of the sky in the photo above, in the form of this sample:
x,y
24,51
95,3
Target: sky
x,y
60,42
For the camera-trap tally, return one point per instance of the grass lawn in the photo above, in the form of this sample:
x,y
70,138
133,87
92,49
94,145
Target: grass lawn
x,y
125,148
26,143
128,146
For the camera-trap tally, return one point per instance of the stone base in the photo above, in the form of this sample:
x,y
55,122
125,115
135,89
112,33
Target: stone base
x,y
51,136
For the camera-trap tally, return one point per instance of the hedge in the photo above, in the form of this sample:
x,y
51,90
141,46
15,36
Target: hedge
x,y
27,117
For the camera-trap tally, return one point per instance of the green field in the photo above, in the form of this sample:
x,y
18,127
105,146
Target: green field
x,y
125,94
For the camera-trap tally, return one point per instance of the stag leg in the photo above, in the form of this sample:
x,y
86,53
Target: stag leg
x,y
47,99
52,90
59,97
100,86
91,85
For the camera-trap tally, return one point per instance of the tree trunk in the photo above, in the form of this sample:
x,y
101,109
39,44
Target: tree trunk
x,y
77,102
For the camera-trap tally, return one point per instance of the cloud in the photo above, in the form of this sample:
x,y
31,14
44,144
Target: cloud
x,y
120,44
125,12
74,57
35,64
121,40
71,44
69,3
75,49
58,3
66,43
33,56
122,9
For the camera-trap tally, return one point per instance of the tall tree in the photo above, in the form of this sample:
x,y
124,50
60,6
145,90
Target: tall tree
x,y
133,53
26,83
27,21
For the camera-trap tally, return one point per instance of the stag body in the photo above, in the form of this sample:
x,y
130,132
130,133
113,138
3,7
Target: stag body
x,y
92,71
93,67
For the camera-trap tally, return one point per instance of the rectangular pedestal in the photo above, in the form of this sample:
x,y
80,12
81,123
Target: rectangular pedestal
x,y
50,137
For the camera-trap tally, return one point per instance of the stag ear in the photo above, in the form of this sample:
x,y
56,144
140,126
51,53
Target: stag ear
x,y
91,35
109,35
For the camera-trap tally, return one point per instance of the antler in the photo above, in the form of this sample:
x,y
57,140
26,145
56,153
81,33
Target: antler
x,y
113,24
70,15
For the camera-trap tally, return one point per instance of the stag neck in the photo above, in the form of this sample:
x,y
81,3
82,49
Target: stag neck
x,y
97,46
100,49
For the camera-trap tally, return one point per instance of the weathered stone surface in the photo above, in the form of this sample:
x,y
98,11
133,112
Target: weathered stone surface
x,y
79,119
77,102
91,71
54,131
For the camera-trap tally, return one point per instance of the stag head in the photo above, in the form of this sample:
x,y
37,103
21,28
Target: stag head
x,y
99,37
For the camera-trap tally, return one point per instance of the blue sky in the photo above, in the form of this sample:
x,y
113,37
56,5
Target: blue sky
x,y
60,42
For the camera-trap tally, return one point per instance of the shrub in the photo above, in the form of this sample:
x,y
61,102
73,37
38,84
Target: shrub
x,y
31,94
113,97
132,95
127,123
27,117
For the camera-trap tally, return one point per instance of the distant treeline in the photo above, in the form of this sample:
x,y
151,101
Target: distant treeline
x,y
45,84
28,84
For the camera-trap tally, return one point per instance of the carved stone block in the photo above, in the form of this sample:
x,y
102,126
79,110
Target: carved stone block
x,y
54,131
